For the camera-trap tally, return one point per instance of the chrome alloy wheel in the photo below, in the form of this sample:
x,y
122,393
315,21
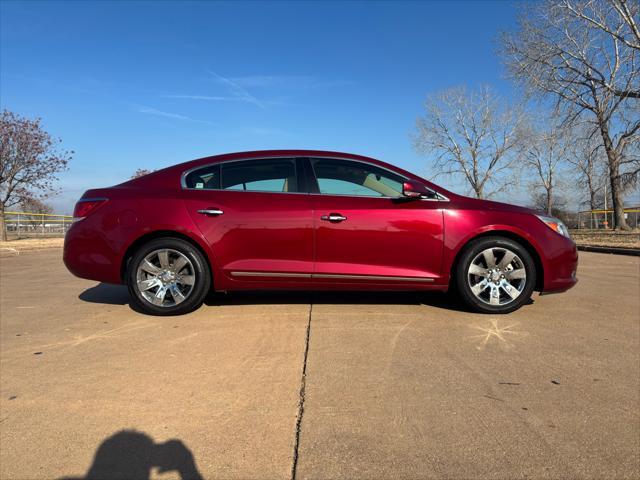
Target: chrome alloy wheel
x,y
497,276
165,277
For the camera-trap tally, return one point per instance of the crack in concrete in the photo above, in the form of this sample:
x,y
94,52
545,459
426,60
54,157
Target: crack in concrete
x,y
303,383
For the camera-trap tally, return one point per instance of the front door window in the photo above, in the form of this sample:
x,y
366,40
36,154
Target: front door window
x,y
340,177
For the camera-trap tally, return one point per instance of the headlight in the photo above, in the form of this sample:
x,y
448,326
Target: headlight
x,y
555,225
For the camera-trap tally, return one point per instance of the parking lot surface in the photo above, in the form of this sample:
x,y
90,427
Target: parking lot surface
x,y
318,385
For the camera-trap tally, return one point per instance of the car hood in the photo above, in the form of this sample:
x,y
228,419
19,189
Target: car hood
x,y
478,204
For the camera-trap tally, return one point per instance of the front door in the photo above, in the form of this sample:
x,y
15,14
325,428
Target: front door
x,y
365,231
255,219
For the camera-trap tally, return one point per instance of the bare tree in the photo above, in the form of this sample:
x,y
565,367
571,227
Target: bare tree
x,y
36,206
544,157
141,172
585,56
471,135
624,16
29,161
558,209
588,160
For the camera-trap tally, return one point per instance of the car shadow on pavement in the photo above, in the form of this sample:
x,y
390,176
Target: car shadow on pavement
x,y
118,295
129,454
433,299
106,293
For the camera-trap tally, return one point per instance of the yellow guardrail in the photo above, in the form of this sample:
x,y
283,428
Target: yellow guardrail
x,y
39,214
38,224
626,210
22,220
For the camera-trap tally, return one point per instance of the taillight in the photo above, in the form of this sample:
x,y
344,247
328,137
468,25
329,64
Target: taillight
x,y
86,206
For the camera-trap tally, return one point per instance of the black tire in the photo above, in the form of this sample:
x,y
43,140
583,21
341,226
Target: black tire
x,y
200,288
462,282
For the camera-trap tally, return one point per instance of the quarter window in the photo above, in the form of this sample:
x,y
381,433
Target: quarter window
x,y
340,177
207,178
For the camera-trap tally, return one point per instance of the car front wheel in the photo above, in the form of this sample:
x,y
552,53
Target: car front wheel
x,y
168,276
495,275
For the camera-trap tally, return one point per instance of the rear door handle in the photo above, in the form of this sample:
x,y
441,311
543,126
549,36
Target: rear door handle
x,y
211,212
333,217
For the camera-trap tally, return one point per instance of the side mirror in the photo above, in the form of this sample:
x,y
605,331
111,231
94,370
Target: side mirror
x,y
411,189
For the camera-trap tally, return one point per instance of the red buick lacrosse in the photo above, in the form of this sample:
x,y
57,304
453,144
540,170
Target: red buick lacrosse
x,y
313,220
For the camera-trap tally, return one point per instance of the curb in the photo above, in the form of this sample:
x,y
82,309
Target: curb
x,y
613,250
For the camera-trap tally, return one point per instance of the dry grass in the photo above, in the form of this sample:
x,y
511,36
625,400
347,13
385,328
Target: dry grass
x,y
15,247
596,238
607,238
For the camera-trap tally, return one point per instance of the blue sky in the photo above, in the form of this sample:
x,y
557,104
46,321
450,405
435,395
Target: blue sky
x,y
146,85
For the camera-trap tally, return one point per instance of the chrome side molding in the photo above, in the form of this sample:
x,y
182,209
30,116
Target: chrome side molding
x,y
333,276
271,274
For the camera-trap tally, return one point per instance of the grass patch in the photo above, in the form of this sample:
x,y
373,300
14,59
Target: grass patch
x,y
607,238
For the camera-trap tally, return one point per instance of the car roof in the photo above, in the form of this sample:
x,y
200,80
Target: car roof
x,y
284,153
166,175
266,154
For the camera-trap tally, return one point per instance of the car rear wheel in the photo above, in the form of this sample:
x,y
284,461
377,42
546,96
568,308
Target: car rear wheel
x,y
168,276
495,275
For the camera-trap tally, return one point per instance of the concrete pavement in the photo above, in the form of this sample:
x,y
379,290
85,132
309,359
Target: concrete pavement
x,y
396,385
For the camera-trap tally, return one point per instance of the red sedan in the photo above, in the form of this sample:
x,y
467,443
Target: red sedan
x,y
315,220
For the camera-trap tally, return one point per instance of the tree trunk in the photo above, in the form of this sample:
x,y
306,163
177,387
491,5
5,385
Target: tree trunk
x,y
549,202
593,204
613,161
617,199
3,230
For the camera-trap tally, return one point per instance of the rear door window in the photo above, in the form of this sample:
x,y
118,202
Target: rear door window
x,y
268,175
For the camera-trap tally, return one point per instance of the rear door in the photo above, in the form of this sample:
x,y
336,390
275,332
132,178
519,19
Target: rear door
x,y
255,216
365,231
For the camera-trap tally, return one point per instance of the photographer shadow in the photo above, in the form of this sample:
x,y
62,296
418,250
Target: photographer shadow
x,y
132,455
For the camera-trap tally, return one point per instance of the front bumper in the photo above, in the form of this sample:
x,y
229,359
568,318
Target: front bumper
x,y
561,267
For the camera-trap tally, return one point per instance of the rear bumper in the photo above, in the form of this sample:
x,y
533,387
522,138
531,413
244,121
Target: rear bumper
x,y
88,255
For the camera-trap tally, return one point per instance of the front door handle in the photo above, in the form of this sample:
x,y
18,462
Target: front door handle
x,y
211,212
333,217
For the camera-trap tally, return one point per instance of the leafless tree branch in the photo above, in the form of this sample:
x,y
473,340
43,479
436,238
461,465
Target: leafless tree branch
x,y
29,161
585,54
472,135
